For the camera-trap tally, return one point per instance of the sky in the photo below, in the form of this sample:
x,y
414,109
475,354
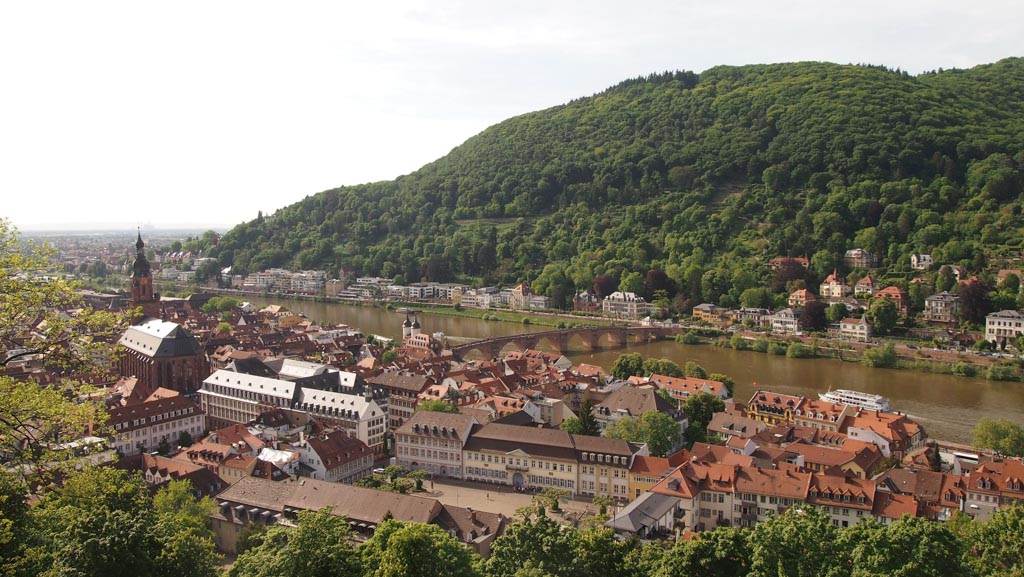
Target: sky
x,y
201,114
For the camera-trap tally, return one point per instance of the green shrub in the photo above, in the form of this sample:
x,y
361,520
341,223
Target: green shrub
x,y
799,351
777,348
761,345
739,343
1001,373
688,338
964,370
880,357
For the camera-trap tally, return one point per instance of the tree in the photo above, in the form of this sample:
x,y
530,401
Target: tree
x,y
911,546
47,319
883,316
100,522
996,547
1001,435
1011,284
588,424
880,357
720,553
659,431
98,269
632,283
788,270
604,285
572,425
796,543
756,298
812,317
183,529
422,550
16,534
628,365
600,553
975,303
701,407
837,312
660,367
692,369
656,281
536,542
437,406
317,546
945,280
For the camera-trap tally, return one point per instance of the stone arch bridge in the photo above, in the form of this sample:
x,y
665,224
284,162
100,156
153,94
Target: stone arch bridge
x,y
589,338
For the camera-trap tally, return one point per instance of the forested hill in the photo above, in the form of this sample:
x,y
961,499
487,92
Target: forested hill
x,y
702,176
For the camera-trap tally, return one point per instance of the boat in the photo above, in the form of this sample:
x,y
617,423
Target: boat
x,y
868,401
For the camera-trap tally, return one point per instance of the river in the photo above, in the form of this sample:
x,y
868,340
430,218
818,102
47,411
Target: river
x,y
946,405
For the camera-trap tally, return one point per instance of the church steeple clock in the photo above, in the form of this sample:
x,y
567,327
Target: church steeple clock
x,y
142,283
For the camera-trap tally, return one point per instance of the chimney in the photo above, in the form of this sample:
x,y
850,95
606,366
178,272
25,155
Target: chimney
x,y
472,514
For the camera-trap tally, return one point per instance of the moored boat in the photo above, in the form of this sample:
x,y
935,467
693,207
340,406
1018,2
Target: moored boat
x,y
868,401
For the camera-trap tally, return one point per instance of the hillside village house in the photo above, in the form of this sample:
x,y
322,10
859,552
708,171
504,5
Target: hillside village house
x,y
921,261
785,322
709,313
752,317
898,296
942,308
1004,326
865,286
801,297
860,258
834,286
681,388
626,305
855,329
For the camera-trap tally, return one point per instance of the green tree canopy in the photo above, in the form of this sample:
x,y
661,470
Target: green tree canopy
x,y
628,365
883,316
317,546
1001,435
660,431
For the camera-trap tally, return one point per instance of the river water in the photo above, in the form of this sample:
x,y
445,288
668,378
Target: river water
x,y
946,405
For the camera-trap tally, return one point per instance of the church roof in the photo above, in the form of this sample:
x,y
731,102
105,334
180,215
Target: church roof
x,y
157,338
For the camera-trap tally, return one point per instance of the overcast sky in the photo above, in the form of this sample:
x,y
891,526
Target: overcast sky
x,y
203,113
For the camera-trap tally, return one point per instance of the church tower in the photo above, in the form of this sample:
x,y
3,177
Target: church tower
x,y
142,283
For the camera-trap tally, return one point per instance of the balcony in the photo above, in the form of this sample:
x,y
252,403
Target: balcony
x,y
521,468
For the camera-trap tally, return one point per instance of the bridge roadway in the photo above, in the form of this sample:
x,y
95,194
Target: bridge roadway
x,y
559,340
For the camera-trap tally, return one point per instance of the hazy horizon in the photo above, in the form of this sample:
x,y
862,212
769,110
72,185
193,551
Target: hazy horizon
x,y
122,113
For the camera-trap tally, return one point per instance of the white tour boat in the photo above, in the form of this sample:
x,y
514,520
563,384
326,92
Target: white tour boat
x,y
868,401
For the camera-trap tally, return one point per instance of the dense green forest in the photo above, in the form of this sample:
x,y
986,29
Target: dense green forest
x,y
703,177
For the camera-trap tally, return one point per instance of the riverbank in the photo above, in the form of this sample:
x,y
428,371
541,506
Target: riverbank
x,y
886,354
905,356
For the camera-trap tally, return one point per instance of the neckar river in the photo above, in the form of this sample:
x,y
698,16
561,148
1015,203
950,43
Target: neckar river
x,y
947,406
